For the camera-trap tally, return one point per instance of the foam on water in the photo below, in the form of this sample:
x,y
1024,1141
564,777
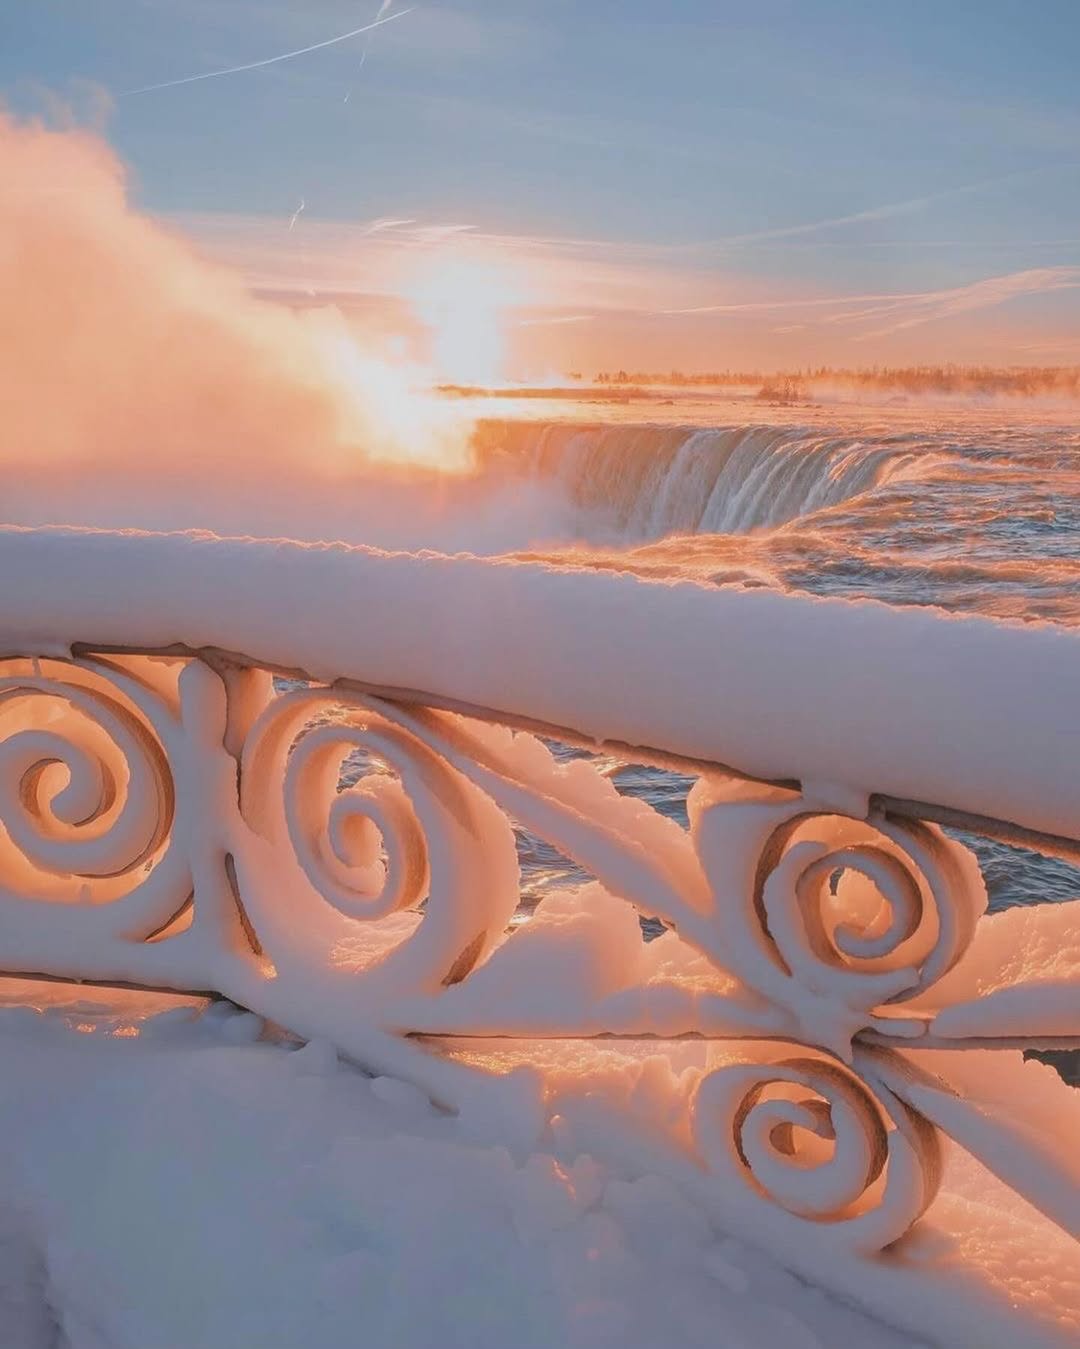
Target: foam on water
x,y
976,517
975,513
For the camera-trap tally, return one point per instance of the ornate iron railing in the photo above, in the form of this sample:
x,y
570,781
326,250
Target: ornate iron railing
x,y
172,817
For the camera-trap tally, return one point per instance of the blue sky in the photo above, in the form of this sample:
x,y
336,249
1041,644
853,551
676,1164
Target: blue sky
x,y
751,152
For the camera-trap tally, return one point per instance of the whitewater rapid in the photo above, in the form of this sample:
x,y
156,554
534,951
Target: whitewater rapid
x,y
963,514
971,512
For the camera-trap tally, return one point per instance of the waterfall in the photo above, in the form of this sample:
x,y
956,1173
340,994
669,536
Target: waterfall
x,y
648,482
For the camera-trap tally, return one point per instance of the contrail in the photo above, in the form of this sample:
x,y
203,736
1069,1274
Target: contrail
x,y
296,215
270,60
367,46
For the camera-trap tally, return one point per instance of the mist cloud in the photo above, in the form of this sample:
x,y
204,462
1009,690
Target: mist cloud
x,y
135,370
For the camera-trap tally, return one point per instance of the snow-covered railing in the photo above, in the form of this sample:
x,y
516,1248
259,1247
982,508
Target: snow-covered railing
x,y
832,999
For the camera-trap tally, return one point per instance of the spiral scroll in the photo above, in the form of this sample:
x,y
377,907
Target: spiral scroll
x,y
906,897
425,852
87,798
812,1139
838,919
167,821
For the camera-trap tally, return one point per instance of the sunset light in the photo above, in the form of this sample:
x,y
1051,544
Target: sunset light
x,y
463,300
417,429
539,674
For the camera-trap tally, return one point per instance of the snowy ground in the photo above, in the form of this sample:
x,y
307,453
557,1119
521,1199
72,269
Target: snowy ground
x,y
170,1180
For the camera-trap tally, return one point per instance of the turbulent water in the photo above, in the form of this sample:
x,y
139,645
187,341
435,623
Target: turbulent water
x,y
975,511
982,517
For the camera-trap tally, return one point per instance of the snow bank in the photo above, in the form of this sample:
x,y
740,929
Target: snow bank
x,y
209,1193
848,697
959,711
217,1189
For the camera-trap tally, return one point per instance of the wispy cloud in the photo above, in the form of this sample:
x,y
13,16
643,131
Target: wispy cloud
x,y
556,321
887,211
906,309
816,302
383,223
911,311
580,285
567,275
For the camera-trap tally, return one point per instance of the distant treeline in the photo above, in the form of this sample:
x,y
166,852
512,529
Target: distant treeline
x,y
1023,381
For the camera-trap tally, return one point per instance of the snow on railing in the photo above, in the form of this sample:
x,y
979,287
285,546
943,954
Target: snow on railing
x,y
831,998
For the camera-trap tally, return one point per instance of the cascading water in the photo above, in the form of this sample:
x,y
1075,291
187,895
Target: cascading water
x,y
980,518
966,516
649,482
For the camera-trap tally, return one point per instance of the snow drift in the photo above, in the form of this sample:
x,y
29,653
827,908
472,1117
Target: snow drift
x,y
848,697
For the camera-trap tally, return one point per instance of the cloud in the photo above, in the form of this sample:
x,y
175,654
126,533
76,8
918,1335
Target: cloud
x,y
905,309
888,211
381,256
596,302
74,104
910,311
133,369
388,223
796,302
552,322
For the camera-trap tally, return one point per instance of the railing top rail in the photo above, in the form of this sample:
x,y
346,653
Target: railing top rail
x,y
1004,831
960,715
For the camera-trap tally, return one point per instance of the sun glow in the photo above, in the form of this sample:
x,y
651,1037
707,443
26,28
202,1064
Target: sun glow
x,y
416,428
462,300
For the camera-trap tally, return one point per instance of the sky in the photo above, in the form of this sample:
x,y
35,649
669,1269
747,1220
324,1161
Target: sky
x,y
696,183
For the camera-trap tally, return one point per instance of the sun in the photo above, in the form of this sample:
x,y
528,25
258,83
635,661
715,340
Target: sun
x,y
462,300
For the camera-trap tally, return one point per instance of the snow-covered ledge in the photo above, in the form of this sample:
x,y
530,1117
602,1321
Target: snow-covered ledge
x,y
826,1041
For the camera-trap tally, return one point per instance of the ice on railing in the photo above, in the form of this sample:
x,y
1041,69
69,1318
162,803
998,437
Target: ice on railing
x,y
169,819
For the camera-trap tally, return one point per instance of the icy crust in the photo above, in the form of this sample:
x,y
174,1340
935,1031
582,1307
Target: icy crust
x,y
964,712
